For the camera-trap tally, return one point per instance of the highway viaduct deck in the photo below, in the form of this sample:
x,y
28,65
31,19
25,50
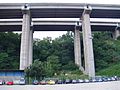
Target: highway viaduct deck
x,y
27,18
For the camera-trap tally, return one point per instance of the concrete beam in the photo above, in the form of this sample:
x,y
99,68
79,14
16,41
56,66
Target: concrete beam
x,y
87,42
62,21
24,51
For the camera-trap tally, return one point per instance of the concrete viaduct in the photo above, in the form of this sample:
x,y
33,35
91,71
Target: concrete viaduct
x,y
57,17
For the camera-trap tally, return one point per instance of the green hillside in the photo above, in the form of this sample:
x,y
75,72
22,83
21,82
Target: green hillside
x,y
110,71
56,57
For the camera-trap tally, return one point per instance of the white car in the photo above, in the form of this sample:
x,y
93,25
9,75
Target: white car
x,y
22,81
86,81
80,80
1,82
16,82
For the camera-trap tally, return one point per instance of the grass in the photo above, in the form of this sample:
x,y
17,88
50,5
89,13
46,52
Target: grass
x,y
113,69
71,75
110,71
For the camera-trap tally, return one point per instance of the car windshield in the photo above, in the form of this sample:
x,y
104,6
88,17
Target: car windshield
x,y
35,81
22,80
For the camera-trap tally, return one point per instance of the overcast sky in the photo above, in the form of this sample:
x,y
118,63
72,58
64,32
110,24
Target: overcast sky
x,y
63,1
56,33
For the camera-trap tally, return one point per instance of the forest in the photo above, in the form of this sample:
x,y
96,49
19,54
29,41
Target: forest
x,y
53,57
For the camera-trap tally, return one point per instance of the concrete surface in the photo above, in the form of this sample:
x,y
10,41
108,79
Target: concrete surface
x,y
114,85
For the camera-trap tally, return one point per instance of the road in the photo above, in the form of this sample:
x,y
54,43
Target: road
x,y
114,85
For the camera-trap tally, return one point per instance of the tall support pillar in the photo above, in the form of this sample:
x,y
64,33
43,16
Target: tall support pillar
x,y
116,33
30,45
77,47
24,51
87,42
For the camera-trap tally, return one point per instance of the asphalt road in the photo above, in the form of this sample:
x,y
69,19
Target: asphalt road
x,y
114,85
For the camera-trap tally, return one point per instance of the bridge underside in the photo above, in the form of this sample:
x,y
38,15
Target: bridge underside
x,y
58,10
84,12
11,28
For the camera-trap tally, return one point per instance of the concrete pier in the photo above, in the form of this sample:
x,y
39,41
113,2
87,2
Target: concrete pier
x,y
116,33
87,42
77,47
24,51
30,47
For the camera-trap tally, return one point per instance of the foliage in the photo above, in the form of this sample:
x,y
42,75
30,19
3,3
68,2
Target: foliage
x,y
40,69
110,71
57,56
52,65
61,49
36,70
71,75
70,66
106,50
42,49
9,50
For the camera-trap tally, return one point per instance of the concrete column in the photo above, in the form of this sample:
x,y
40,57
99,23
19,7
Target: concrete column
x,y
87,42
77,47
116,33
30,46
24,51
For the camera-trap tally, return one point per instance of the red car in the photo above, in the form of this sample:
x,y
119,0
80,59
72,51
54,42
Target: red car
x,y
43,82
9,82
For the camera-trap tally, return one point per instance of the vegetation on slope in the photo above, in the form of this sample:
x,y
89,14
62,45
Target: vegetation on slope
x,y
56,57
110,71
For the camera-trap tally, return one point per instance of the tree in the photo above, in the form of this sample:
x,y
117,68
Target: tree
x,y
106,50
36,70
70,66
64,48
9,49
42,49
4,62
52,65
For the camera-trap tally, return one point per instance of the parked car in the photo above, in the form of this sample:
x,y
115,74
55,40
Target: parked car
x,y
109,79
16,82
22,81
9,82
51,79
105,79
35,82
43,82
74,81
96,80
116,77
100,80
113,78
80,81
68,81
93,80
1,82
86,81
59,82
51,82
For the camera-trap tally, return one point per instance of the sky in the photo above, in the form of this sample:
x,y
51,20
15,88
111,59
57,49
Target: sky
x,y
55,34
63,1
